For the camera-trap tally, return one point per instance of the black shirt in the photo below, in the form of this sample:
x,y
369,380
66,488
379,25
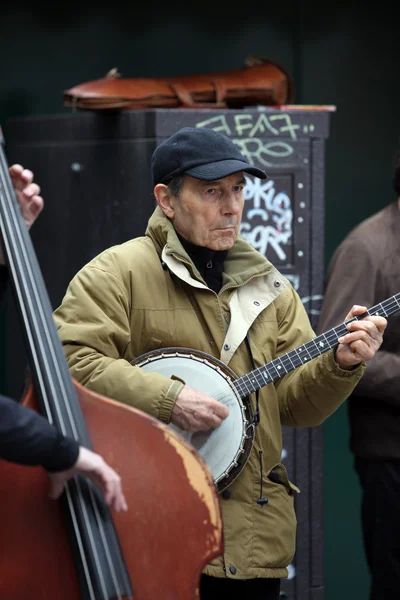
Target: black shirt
x,y
209,263
28,438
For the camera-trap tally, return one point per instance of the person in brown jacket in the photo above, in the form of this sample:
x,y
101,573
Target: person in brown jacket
x,y
366,268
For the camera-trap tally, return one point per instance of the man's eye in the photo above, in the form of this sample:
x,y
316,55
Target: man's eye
x,y
211,191
238,188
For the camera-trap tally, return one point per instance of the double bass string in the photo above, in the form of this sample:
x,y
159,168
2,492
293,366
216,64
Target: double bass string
x,y
23,277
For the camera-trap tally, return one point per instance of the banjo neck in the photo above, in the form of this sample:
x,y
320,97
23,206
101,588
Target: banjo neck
x,y
275,369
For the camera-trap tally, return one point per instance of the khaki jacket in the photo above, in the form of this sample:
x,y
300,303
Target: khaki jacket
x,y
133,298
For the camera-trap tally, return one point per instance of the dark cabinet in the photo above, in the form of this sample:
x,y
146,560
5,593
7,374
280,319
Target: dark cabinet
x,y
94,170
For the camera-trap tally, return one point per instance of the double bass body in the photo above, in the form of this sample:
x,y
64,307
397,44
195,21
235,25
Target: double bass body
x,y
171,530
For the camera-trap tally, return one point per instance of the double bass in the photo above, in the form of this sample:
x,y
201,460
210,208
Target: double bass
x,y
75,548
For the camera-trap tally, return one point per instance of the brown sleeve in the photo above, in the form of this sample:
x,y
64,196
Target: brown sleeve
x,y
354,278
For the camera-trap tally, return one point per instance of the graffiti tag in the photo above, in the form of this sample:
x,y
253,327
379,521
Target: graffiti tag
x,y
267,222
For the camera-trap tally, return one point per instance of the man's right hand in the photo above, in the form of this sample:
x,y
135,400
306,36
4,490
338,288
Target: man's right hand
x,y
195,411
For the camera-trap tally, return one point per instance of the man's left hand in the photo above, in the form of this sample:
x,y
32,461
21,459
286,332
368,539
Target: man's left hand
x,y
363,340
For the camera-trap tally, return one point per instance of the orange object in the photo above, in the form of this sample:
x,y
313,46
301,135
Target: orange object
x,y
258,82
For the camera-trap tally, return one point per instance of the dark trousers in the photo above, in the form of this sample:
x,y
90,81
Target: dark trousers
x,y
215,588
380,517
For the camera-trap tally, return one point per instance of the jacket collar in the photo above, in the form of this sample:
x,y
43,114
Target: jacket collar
x,y
242,262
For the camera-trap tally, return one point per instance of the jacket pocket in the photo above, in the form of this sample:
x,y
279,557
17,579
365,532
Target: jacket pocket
x,y
275,521
279,474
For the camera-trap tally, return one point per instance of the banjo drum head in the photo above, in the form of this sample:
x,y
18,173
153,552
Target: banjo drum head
x,y
221,448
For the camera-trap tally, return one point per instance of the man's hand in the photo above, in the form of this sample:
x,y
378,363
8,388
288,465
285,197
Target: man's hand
x,y
97,470
195,411
363,340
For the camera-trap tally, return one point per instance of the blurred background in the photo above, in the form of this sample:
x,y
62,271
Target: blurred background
x,y
343,54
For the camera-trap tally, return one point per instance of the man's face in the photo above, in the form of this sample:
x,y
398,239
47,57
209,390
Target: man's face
x,y
208,213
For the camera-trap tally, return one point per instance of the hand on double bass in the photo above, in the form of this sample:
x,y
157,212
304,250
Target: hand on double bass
x,y
97,470
27,192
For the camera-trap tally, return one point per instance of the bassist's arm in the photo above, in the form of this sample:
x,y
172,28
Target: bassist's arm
x,y
27,438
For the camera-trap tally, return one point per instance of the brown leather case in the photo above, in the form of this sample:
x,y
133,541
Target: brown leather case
x,y
259,81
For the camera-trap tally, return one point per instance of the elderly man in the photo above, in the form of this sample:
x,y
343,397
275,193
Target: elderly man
x,y
25,436
192,282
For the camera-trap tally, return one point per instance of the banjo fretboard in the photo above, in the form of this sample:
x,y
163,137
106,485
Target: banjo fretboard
x,y
278,367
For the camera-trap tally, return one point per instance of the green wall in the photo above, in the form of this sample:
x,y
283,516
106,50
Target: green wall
x,y
358,57
345,55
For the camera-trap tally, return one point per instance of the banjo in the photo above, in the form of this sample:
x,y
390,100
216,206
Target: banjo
x,y
226,449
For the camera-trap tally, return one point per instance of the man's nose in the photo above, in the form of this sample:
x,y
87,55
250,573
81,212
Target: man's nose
x,y
232,205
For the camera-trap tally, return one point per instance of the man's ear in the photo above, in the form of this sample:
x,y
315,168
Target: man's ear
x,y
165,200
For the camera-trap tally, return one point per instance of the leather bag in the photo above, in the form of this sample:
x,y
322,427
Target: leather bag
x,y
258,82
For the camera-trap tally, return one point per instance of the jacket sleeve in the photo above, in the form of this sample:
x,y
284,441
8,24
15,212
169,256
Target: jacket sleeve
x,y
93,323
27,438
313,391
353,277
